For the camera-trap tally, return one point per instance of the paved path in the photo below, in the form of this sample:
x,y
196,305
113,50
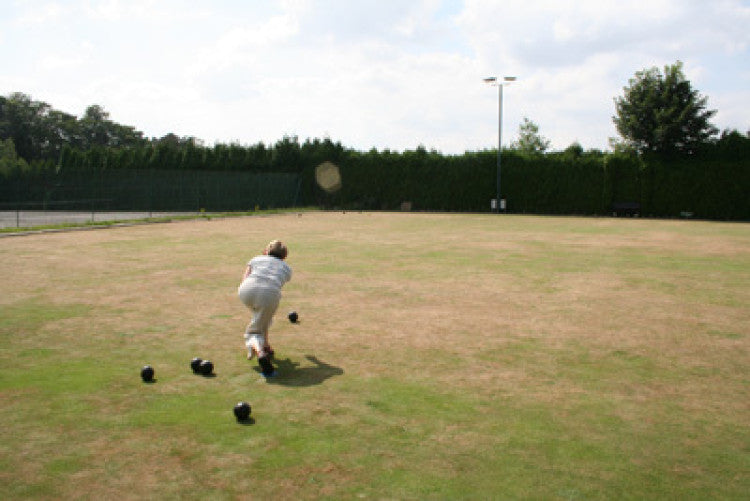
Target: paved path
x,y
31,218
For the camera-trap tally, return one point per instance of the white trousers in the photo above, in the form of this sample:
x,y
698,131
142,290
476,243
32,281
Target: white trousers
x,y
262,301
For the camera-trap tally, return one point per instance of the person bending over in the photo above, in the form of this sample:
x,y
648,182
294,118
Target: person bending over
x,y
260,291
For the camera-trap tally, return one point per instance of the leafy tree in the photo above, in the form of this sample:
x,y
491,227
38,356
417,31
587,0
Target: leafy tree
x,y
4,125
575,150
94,125
98,130
59,129
620,146
39,132
9,160
165,154
529,139
662,113
731,145
22,120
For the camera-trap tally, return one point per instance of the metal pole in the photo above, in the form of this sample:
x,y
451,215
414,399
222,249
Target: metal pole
x,y
499,141
496,81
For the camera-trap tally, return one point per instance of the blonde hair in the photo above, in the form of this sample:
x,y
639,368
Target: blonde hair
x,y
276,248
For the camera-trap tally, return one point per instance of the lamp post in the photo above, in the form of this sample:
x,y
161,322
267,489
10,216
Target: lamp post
x,y
499,83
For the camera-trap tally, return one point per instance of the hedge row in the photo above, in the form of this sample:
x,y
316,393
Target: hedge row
x,y
710,189
586,184
149,190
549,184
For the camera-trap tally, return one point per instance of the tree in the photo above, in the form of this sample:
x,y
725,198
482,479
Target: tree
x,y
22,120
9,160
575,150
662,113
96,129
95,126
733,145
529,140
39,132
4,122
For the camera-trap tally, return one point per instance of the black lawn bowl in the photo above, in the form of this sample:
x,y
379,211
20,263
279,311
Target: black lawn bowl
x,y
293,317
242,411
147,374
195,365
206,368
266,366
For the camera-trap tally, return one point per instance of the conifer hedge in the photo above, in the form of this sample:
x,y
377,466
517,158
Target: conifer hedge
x,y
713,184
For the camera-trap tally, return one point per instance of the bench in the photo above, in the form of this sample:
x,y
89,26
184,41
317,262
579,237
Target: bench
x,y
632,209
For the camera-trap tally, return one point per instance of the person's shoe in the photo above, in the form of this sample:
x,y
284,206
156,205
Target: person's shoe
x,y
266,366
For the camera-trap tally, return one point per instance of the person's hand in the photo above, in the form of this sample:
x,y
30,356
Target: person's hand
x,y
248,270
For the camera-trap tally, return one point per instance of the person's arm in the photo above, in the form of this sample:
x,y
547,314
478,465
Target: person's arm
x,y
248,270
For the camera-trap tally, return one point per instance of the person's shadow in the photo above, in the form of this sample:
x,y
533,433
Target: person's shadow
x,y
289,373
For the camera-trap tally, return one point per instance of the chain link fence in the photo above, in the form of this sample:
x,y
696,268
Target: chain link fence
x,y
148,191
30,218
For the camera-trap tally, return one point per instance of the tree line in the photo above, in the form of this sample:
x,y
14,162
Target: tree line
x,y
659,113
664,124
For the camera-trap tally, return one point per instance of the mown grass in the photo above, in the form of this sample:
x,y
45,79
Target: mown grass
x,y
437,357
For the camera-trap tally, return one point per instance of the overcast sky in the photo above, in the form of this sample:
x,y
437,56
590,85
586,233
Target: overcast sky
x,y
370,73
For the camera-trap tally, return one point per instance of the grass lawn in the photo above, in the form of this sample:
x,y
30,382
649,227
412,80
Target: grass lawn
x,y
438,356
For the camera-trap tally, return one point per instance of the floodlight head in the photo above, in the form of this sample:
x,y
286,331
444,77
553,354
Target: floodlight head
x,y
509,79
490,79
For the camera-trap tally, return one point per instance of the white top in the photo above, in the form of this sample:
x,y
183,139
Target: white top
x,y
271,270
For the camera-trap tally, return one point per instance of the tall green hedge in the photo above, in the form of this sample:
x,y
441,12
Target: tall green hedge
x,y
714,184
709,188
149,190
705,188
429,181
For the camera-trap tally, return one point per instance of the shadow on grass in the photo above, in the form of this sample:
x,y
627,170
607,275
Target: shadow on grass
x,y
289,373
246,422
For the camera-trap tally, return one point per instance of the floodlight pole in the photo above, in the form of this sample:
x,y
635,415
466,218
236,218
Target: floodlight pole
x,y
499,142
499,84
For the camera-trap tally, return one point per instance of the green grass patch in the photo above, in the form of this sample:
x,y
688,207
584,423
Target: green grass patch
x,y
436,357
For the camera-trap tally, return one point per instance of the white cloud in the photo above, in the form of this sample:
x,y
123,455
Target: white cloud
x,y
383,73
729,115
39,15
149,12
67,60
574,58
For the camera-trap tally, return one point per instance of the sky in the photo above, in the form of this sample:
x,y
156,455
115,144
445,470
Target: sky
x,y
383,74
